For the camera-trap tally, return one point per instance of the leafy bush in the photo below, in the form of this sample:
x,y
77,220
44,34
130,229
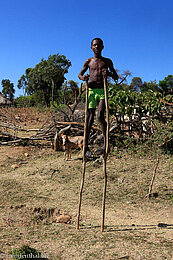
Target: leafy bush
x,y
160,141
125,101
29,101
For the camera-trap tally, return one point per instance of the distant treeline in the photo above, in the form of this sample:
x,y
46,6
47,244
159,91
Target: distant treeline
x,y
46,83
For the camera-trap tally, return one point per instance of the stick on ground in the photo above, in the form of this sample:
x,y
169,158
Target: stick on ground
x,y
153,178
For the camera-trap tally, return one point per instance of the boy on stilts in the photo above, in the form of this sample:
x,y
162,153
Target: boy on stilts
x,y
96,95
99,67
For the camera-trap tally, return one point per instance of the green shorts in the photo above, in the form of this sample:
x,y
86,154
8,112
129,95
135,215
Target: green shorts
x,y
94,96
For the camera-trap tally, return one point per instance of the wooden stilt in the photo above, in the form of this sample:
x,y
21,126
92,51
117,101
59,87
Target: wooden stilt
x,y
106,155
80,194
84,159
104,161
104,195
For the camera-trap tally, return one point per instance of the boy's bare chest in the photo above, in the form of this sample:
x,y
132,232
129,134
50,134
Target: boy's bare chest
x,y
97,64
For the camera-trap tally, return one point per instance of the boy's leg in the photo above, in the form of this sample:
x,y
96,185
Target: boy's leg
x,y
90,121
101,118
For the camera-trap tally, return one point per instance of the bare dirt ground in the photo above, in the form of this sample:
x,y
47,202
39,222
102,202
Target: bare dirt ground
x,y
37,186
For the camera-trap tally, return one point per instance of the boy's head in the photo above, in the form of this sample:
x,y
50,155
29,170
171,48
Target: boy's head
x,y
97,46
98,39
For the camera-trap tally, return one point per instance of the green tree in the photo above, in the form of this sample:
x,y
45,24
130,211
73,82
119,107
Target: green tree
x,y
152,85
73,84
70,92
47,77
23,82
119,87
166,85
8,89
136,84
74,89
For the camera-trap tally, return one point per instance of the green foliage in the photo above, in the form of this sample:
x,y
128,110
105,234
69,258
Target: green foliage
x,y
46,77
54,106
162,136
73,85
136,84
161,141
8,89
168,99
23,81
125,101
152,85
21,101
69,91
36,99
166,85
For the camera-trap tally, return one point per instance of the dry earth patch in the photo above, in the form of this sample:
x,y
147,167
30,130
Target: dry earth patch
x,y
44,186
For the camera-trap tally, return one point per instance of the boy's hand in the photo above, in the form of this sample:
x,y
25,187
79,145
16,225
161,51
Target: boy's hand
x,y
86,77
104,73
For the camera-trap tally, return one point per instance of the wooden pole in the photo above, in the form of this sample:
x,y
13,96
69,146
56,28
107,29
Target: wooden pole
x,y
84,158
106,155
153,178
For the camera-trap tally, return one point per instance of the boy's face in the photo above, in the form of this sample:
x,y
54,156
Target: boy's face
x,y
97,47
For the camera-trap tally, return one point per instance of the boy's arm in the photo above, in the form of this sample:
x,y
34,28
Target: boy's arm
x,y
81,75
112,73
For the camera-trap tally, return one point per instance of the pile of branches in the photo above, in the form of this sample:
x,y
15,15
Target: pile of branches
x,y
69,120
11,131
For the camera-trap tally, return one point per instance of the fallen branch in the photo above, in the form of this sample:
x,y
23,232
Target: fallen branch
x,y
153,178
77,123
19,128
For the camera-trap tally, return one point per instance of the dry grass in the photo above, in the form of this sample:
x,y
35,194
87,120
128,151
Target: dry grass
x,y
43,186
44,180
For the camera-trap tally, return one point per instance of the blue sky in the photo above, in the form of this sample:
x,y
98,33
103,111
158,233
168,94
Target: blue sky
x,y
137,35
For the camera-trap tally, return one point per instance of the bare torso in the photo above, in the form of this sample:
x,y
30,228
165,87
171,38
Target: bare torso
x,y
96,65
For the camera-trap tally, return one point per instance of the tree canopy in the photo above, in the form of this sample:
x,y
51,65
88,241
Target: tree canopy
x,y
46,82
8,89
47,77
166,85
136,84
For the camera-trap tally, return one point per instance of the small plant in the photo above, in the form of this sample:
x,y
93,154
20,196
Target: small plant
x,y
25,252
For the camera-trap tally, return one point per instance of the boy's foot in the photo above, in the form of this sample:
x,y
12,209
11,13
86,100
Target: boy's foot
x,y
100,151
88,153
